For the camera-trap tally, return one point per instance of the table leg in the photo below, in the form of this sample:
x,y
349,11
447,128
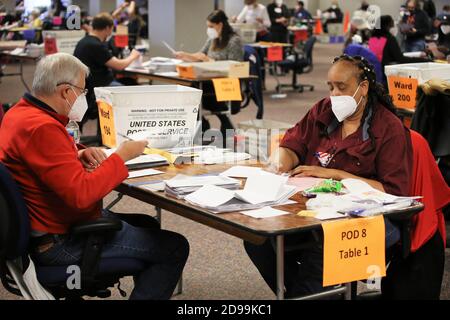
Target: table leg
x,y
280,267
21,76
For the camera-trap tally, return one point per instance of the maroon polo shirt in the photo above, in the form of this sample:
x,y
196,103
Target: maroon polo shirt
x,y
317,141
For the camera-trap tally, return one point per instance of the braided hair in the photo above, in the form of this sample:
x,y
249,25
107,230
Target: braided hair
x,y
377,94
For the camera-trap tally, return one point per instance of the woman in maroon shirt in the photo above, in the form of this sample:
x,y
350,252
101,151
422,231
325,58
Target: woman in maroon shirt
x,y
354,133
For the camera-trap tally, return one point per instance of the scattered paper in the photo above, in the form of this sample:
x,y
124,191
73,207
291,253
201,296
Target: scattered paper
x,y
303,183
158,186
266,212
143,173
210,196
241,171
263,188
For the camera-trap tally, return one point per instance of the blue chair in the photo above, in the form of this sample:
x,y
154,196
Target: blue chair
x,y
254,89
359,50
29,35
97,275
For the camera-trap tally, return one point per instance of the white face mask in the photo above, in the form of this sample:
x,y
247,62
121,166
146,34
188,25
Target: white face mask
x,y
79,108
344,106
212,33
279,2
394,31
445,29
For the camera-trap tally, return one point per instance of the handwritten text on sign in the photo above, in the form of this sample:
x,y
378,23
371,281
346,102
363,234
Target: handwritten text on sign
x,y
274,54
227,89
352,248
403,91
105,112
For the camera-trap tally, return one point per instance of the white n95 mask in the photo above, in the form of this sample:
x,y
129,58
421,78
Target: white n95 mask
x,y
344,106
79,108
445,29
212,33
394,31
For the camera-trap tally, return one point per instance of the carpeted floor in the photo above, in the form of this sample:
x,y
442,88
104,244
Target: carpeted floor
x,y
218,267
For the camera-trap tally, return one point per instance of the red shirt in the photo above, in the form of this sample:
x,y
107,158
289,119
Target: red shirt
x,y
317,140
43,159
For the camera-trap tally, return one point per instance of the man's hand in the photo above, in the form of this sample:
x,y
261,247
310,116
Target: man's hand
x,y
180,55
91,158
318,172
135,54
131,149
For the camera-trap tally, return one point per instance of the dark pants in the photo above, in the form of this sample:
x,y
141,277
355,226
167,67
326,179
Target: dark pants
x,y
419,276
141,238
303,268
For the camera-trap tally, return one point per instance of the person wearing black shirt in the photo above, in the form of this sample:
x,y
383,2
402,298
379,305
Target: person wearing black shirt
x,y
93,51
334,15
279,17
390,52
415,25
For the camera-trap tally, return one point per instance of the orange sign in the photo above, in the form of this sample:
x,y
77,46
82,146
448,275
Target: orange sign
x,y
353,250
50,45
274,54
107,127
403,91
121,40
227,89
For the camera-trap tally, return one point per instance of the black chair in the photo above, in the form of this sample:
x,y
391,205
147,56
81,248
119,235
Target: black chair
x,y
302,63
97,275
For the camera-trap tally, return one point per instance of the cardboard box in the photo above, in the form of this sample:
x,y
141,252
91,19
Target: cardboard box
x,y
216,69
262,136
167,113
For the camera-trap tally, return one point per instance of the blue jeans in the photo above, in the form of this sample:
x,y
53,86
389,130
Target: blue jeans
x,y
115,83
165,253
415,45
303,268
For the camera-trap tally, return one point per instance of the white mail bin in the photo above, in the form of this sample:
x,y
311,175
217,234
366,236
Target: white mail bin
x,y
167,113
421,71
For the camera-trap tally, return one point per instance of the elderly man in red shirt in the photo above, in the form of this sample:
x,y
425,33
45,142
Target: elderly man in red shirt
x,y
354,133
63,184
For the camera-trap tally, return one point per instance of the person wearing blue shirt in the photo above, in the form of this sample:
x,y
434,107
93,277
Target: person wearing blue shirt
x,y
301,13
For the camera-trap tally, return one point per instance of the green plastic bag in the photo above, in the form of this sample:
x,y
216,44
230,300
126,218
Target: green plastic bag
x,y
328,185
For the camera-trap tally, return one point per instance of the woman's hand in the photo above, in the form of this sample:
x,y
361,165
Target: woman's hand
x,y
91,158
318,172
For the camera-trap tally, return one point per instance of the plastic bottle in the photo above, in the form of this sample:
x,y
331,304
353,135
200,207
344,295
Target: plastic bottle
x,y
126,52
74,130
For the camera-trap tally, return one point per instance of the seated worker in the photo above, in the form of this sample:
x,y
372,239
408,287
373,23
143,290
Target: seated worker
x,y
35,22
279,18
93,51
64,184
359,131
256,14
332,15
442,49
301,13
222,44
383,43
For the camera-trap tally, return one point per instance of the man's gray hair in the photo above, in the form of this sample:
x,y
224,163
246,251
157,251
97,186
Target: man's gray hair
x,y
56,69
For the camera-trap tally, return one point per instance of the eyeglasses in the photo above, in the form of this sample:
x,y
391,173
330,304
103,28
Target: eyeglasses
x,y
83,91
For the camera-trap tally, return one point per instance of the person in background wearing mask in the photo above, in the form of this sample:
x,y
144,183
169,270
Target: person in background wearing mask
x,y
332,15
256,14
222,44
385,46
301,13
354,133
415,26
442,49
35,21
279,18
63,184
93,51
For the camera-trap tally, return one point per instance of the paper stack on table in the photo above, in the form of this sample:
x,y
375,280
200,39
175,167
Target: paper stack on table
x,y
260,191
143,161
182,185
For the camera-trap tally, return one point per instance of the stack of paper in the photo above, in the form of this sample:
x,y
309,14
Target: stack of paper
x,y
220,156
241,172
143,161
181,185
260,191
